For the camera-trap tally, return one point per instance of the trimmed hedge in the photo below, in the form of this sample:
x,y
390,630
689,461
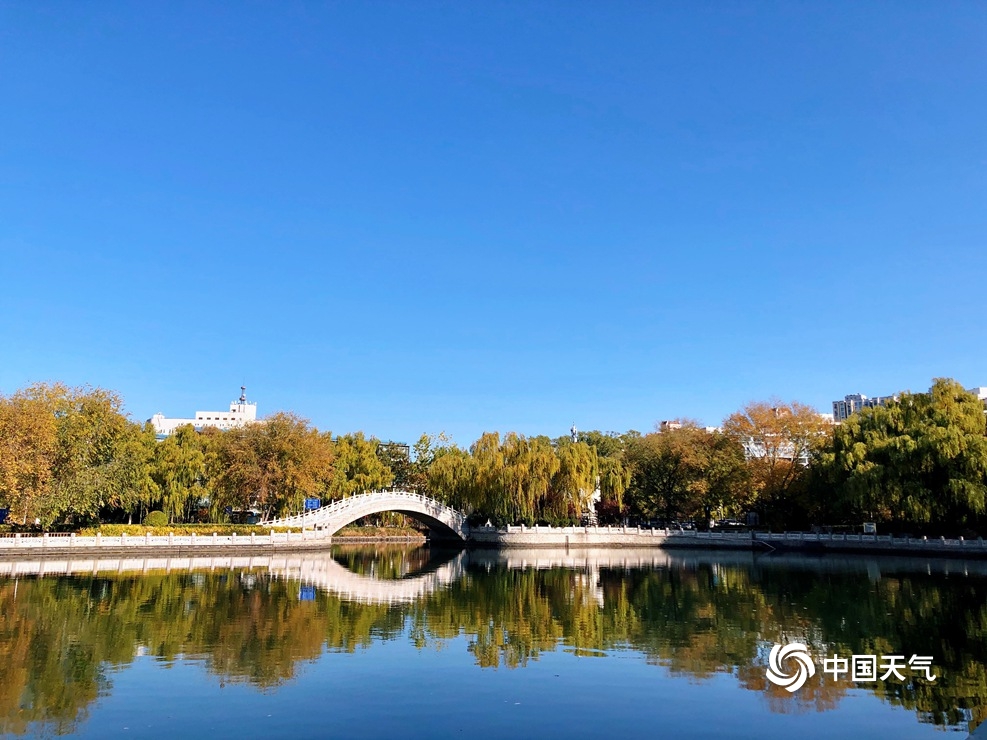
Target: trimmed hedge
x,y
204,530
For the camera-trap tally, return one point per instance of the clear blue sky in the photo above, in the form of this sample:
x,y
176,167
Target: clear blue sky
x,y
413,217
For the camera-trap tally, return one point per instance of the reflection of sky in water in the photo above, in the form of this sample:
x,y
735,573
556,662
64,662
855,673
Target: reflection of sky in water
x,y
394,690
620,643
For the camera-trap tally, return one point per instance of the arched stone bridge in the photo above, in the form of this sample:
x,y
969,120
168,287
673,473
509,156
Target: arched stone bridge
x,y
443,521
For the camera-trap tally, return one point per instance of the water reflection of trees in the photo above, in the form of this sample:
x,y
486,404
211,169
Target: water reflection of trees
x,y
390,561
61,637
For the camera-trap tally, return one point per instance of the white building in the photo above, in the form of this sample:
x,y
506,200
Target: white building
x,y
851,404
843,410
670,426
240,413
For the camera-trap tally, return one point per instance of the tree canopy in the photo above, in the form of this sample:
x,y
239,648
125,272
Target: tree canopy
x,y
919,460
71,456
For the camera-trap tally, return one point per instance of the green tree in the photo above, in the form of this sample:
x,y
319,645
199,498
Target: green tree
x,y
428,449
274,465
685,472
60,449
529,466
451,478
28,446
179,471
574,482
136,488
615,477
662,467
358,468
606,444
921,460
486,491
397,458
779,439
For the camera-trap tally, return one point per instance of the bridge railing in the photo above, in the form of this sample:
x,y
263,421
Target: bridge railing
x,y
358,501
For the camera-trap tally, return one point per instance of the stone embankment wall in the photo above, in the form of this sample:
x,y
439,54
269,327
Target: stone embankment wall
x,y
537,536
508,537
760,541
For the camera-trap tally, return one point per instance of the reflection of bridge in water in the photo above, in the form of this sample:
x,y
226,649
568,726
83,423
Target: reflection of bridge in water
x,y
326,573
318,570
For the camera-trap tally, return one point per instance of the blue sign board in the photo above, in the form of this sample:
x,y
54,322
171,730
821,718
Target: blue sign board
x,y
312,504
306,593
3,515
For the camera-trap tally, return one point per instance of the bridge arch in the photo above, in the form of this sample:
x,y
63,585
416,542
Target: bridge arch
x,y
443,521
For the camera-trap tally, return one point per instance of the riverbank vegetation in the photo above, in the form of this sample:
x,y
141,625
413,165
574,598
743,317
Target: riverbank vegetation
x,y
70,457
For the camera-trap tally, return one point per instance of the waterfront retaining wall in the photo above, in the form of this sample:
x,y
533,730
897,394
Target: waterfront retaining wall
x,y
538,536
506,537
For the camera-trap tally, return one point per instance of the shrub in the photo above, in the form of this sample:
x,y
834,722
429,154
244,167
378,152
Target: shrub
x,y
201,530
352,530
156,519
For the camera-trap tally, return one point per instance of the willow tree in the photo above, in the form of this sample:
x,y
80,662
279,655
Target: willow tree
x,y
179,472
529,466
357,467
451,478
615,477
920,460
488,482
574,482
136,488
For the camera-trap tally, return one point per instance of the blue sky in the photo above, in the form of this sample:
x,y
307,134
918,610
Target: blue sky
x,y
423,217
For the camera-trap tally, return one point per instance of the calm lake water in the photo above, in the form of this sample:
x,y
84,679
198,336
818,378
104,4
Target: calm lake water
x,y
384,642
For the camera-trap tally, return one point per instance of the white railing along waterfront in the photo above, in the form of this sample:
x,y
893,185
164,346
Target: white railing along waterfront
x,y
68,541
63,542
747,536
890,540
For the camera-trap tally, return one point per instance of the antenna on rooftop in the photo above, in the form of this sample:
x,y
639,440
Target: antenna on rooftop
x,y
243,394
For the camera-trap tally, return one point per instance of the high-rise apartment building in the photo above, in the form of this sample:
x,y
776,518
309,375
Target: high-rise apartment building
x,y
854,402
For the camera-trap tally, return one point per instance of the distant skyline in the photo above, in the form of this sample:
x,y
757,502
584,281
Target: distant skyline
x,y
424,217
